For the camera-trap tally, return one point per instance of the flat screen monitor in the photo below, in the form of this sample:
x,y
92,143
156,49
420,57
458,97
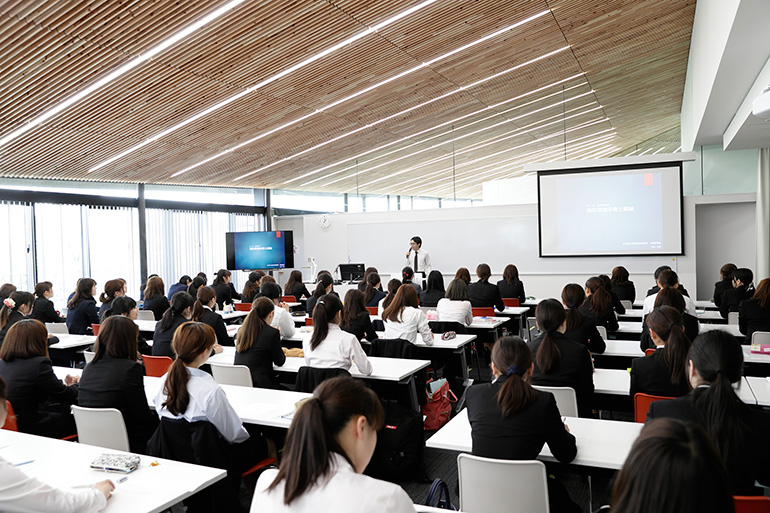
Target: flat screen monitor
x,y
259,250
351,272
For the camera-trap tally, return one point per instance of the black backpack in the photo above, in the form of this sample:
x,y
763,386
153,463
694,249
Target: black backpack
x,y
400,445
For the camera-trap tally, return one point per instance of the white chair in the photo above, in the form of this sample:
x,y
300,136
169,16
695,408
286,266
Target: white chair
x,y
145,315
602,331
102,427
760,337
225,374
89,356
566,399
492,485
57,327
732,318
628,305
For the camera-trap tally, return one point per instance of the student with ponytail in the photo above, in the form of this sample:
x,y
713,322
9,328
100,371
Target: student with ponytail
x,y
373,293
112,289
743,289
580,328
355,317
598,305
44,310
663,372
14,309
225,289
434,292
559,361
329,444
295,287
125,306
511,420
670,297
177,314
330,346
407,275
203,311
81,308
251,288
403,319
715,363
393,286
155,299
258,345
324,285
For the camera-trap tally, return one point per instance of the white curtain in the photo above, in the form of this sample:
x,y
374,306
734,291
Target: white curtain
x,y
763,216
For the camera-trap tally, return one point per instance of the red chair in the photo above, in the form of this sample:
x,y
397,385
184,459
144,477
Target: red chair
x,y
484,311
372,310
308,321
288,299
642,404
156,366
649,351
10,420
242,307
751,504
511,301
95,328
251,484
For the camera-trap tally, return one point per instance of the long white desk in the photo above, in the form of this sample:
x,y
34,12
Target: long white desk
x,y
66,464
760,387
628,327
700,304
708,316
72,341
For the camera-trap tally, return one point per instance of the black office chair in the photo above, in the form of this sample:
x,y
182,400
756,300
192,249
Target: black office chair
x,y
308,378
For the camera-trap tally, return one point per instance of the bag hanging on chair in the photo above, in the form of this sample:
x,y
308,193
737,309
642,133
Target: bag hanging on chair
x,y
438,409
438,496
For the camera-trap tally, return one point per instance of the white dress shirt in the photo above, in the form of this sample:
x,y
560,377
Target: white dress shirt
x,y
20,493
649,305
284,320
423,261
343,491
457,311
338,350
413,320
207,402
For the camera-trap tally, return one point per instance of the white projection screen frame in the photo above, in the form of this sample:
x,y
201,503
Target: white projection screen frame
x,y
629,210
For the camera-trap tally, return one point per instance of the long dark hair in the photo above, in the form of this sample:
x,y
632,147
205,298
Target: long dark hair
x,y
197,283
483,272
513,358
600,300
190,340
19,297
250,288
154,287
204,297
667,324
180,302
436,281
270,290
371,286
121,305
355,308
117,338
573,296
407,273
747,278
762,294
393,286
326,309
220,277
669,296
619,275
463,274
457,290
324,280
82,292
404,297
312,437
549,315
511,274
294,277
254,323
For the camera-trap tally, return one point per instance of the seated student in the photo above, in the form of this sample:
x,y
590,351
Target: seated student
x,y
282,318
329,444
81,308
19,492
43,309
355,317
668,279
616,304
663,372
13,310
657,287
324,286
510,420
225,292
373,293
579,328
364,281
295,287
463,274
330,347
203,311
684,450
144,286
726,283
483,293
743,290
456,306
434,291
598,305
203,277
715,362
754,313
407,275
511,286
258,345
393,286
177,314
6,290
154,300
673,298
197,283
114,379
124,306
251,288
40,399
621,285
559,361
181,286
112,289
403,319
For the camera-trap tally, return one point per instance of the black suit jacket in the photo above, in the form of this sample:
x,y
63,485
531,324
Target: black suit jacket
x,y
13,317
44,311
752,317
626,292
80,318
522,434
161,340
104,307
574,369
377,297
608,320
651,375
691,329
224,294
429,298
119,383
587,335
361,327
265,352
485,294
216,321
298,290
752,462
656,289
731,299
719,288
158,305
512,290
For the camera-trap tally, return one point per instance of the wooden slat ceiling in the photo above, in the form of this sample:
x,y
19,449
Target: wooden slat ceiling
x,y
626,59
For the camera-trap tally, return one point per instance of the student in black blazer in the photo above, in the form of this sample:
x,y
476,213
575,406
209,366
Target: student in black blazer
x,y
250,289
112,289
511,286
726,283
656,288
259,345
295,287
754,313
154,298
13,310
598,305
179,313
44,310
203,312
81,308
324,286
407,275
373,293
622,287
431,295
670,297
739,432
124,306
483,293
559,361
355,318
39,399
224,288
511,420
743,290
615,300
114,379
579,328
663,372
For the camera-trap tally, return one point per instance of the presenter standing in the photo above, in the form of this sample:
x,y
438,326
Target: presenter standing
x,y
417,258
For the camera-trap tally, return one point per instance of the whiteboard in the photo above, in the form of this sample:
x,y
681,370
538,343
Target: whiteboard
x,y
457,242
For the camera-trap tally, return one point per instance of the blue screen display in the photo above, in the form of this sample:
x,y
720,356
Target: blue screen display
x,y
260,250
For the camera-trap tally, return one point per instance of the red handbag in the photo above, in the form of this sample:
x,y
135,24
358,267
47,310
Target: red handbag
x,y
438,409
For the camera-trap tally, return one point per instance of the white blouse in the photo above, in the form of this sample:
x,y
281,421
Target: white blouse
x,y
337,350
283,319
457,311
413,320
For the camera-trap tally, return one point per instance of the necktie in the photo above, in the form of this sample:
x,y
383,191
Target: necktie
x,y
415,261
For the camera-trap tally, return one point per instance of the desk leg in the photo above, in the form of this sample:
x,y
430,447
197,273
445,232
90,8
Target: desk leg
x,y
467,381
413,393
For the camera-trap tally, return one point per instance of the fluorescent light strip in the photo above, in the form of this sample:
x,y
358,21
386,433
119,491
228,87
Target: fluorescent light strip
x,y
645,152
405,111
265,82
659,150
359,93
120,70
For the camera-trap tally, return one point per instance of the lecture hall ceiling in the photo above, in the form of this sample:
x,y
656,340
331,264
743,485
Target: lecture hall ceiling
x,y
433,103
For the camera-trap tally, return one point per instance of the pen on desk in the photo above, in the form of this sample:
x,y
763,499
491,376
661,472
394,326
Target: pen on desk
x,y
23,463
123,479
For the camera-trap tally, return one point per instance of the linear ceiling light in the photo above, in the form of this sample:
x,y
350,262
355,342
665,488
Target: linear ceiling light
x,y
267,81
120,70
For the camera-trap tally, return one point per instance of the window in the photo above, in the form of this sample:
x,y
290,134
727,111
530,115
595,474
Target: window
x,y
113,246
16,255
59,242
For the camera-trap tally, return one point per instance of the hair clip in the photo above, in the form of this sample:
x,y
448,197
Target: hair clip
x,y
10,303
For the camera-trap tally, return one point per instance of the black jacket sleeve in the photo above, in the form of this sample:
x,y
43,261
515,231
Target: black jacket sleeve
x,y
499,300
617,305
559,440
276,351
47,382
596,343
369,329
136,402
223,339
